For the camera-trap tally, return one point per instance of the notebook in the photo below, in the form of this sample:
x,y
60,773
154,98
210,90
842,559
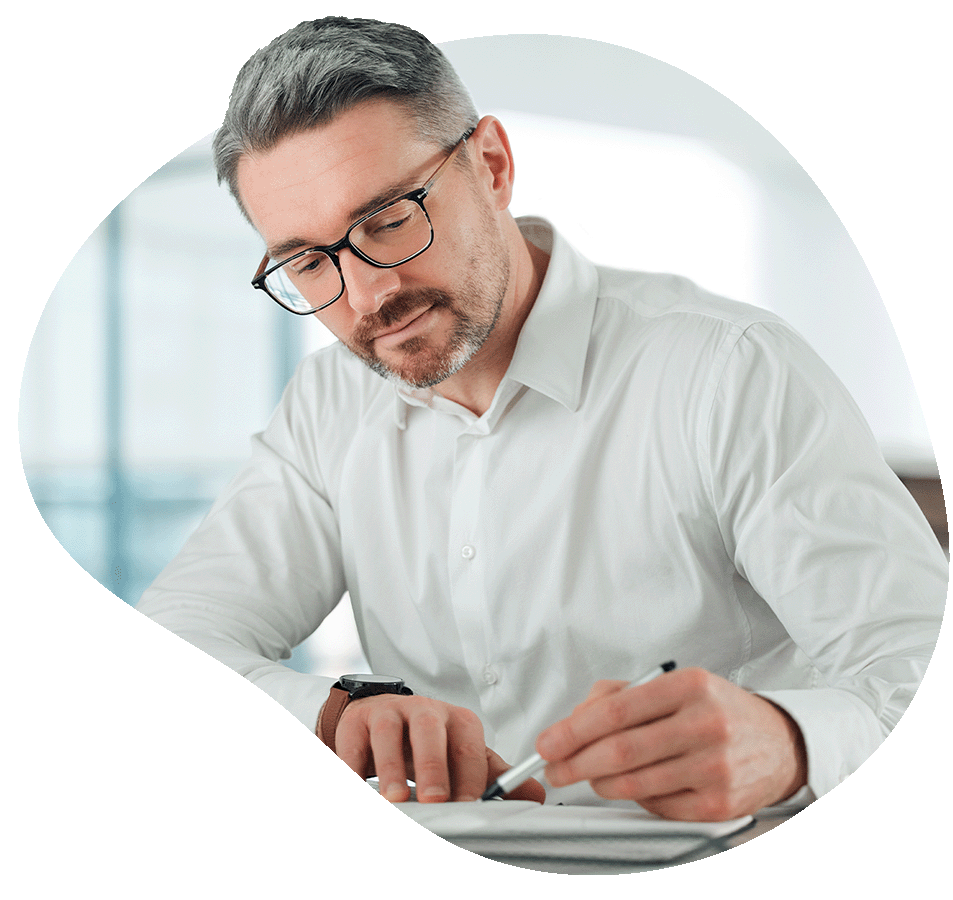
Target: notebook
x,y
520,830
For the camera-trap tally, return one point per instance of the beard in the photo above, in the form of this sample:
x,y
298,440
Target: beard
x,y
421,361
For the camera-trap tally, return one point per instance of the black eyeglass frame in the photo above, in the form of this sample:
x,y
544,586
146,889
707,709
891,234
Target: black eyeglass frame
x,y
417,196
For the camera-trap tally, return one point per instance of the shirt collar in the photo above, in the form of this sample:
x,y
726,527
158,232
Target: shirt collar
x,y
550,353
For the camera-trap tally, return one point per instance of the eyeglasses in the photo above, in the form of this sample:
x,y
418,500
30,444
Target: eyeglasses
x,y
391,235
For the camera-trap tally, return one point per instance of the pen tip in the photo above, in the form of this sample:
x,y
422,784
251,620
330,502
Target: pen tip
x,y
493,791
668,666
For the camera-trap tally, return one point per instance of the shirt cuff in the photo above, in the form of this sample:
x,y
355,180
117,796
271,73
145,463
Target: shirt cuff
x,y
840,733
302,695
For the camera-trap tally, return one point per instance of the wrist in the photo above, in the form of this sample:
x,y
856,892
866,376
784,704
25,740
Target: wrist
x,y
348,689
330,715
796,767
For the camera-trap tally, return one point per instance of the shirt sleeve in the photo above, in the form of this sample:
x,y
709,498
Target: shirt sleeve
x,y
826,533
263,569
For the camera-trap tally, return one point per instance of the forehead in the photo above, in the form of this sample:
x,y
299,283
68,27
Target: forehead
x,y
310,184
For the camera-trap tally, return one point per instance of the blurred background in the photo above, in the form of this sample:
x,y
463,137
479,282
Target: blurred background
x,y
154,359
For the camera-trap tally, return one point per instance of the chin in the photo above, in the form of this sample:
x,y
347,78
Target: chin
x,y
419,374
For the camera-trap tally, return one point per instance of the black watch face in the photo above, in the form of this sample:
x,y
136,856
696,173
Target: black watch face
x,y
355,682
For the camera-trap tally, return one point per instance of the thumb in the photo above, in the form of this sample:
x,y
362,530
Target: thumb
x,y
530,789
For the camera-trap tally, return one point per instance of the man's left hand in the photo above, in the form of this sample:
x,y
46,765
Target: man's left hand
x,y
688,745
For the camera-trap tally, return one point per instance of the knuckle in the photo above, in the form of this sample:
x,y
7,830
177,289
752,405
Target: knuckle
x,y
619,751
716,728
605,788
628,786
563,737
430,768
631,785
389,768
616,711
425,770
471,750
714,806
697,681
428,718
384,726
467,717
562,773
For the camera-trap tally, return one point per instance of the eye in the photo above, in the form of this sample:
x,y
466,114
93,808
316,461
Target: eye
x,y
385,225
309,264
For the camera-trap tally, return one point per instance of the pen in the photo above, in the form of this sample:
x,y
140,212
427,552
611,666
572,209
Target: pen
x,y
528,768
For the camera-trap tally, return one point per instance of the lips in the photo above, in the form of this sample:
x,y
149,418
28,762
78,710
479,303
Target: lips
x,y
403,323
391,319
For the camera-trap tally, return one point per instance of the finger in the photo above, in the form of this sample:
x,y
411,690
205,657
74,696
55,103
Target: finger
x,y
530,789
624,751
612,712
467,756
707,785
697,806
598,690
602,689
428,741
679,806
385,728
660,779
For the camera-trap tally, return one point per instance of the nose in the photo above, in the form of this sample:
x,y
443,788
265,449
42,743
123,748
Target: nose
x,y
366,287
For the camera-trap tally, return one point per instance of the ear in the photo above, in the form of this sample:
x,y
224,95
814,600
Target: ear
x,y
492,159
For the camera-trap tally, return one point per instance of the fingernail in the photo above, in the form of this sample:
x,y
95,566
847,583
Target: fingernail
x,y
433,793
394,792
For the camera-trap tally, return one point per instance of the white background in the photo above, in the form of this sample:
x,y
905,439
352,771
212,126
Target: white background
x,y
136,767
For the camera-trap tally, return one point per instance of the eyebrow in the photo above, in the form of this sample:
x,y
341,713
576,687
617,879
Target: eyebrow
x,y
288,247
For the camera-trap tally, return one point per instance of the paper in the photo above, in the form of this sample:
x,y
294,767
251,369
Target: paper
x,y
506,829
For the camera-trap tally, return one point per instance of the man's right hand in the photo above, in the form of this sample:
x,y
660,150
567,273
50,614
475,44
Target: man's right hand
x,y
437,746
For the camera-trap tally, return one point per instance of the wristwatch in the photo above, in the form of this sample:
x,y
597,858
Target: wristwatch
x,y
353,687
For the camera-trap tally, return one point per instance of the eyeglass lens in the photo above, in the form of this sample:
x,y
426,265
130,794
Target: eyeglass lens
x,y
391,236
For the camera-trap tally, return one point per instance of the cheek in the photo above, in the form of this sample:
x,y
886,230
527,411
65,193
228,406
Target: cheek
x,y
338,318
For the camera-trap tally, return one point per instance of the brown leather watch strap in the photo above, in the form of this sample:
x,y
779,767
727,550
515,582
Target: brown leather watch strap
x,y
330,715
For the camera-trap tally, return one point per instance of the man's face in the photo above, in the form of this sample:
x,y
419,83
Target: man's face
x,y
420,322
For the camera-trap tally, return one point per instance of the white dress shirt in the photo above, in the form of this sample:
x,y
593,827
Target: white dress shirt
x,y
662,474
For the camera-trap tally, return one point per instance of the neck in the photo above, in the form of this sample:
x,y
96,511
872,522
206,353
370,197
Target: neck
x,y
475,385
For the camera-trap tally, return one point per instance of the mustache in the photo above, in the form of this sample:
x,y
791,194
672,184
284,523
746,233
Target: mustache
x,y
396,309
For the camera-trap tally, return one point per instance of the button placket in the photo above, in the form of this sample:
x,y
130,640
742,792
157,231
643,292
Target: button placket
x,y
467,581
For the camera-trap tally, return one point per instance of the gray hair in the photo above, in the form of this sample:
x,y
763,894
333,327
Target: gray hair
x,y
321,68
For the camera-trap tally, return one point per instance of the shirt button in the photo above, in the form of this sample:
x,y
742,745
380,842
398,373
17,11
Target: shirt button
x,y
489,676
468,551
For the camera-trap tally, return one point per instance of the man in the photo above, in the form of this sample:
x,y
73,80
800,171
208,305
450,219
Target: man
x,y
565,476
